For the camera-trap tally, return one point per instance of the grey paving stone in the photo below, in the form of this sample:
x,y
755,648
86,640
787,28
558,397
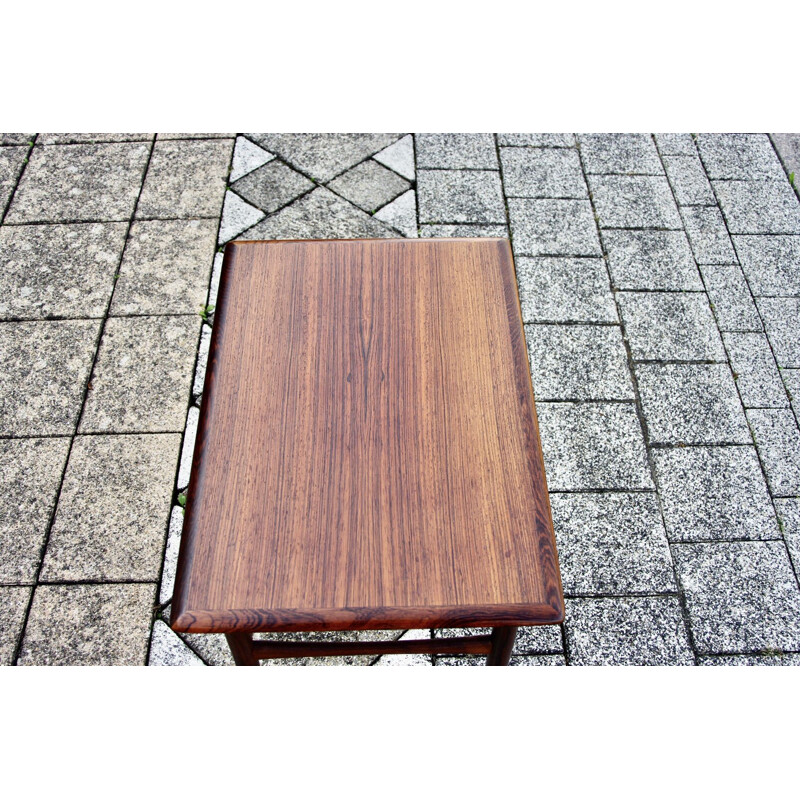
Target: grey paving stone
x,y
143,375
537,661
578,362
676,144
788,147
12,159
13,604
237,216
651,260
620,153
187,451
453,196
778,444
104,624
399,157
634,201
272,186
553,228
459,661
708,235
755,371
461,231
565,290
730,298
542,172
788,511
171,555
44,367
202,361
784,660
369,185
689,181
611,544
30,474
212,647
247,156
319,215
73,183
712,493
741,596
529,639
759,206
592,446
185,179
323,156
401,214
331,636
58,270
166,267
771,263
111,519
780,315
92,138
739,156
670,326
168,650
456,151
537,139
16,138
627,631
691,404
791,380
213,286
195,135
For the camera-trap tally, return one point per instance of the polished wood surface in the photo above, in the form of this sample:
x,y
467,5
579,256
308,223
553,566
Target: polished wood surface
x,y
368,454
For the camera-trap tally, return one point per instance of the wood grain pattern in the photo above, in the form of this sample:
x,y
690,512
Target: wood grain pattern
x,y
368,454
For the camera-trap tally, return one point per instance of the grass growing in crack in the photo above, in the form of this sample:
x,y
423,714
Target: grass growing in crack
x,y
791,179
205,311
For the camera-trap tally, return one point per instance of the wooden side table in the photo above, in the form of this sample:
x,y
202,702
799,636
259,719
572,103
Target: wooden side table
x,y
368,454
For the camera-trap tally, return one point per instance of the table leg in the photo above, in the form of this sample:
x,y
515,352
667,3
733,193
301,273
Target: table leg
x,y
241,645
502,645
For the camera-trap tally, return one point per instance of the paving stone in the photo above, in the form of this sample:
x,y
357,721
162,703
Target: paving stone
x,y
319,215
542,173
730,298
691,404
237,216
553,228
202,361
44,367
759,206
741,596
142,376
771,263
216,273
167,649
788,511
105,624
739,156
778,444
453,196
593,446
12,159
272,186
111,519
459,661
196,135
780,315
401,214
788,147
670,326
399,157
634,201
212,647
166,267
708,235
58,270
247,156
456,151
689,181
611,544
755,371
462,231
529,639
627,631
185,179
92,138
655,260
369,185
185,469
73,183
16,138
329,636
620,153
323,156
784,660
30,475
537,139
171,555
676,144
712,493
791,380
537,661
578,362
13,604
565,290
404,660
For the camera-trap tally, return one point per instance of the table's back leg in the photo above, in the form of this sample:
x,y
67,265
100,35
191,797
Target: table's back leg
x,y
241,645
502,645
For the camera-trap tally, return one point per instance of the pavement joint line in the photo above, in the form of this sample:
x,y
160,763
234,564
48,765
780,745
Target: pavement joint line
x,y
17,182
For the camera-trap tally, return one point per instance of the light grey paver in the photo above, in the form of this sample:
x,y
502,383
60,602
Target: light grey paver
x,y
202,362
16,138
611,544
553,227
634,201
788,147
578,362
592,446
783,660
237,216
142,376
771,263
788,511
676,144
778,444
791,380
759,206
755,371
537,139
691,404
537,661
453,196
401,214
58,270
103,624
460,231
712,493
739,156
212,647
529,639
92,138
741,596
670,326
13,604
30,474
166,267
369,185
620,154
247,156
399,157
168,650
171,555
111,519
272,186
780,315
187,450
168,136
12,159
44,367
627,631
216,274
730,298
542,172
708,235
456,151
689,181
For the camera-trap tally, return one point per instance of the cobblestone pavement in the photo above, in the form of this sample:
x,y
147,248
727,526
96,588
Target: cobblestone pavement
x,y
660,285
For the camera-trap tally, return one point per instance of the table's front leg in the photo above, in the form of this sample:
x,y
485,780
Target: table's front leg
x,y
241,645
502,645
